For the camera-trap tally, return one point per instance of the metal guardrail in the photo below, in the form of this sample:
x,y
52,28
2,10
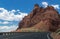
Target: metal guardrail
x,y
25,35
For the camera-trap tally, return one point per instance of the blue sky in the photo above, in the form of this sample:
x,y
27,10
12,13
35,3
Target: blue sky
x,y
24,5
13,11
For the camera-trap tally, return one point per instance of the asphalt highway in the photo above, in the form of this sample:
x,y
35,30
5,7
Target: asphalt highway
x,y
32,35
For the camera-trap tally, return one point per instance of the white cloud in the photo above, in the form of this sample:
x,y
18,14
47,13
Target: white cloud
x,y
8,28
18,10
5,22
56,6
45,4
10,15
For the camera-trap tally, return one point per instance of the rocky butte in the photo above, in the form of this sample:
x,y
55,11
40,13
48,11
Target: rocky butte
x,y
44,19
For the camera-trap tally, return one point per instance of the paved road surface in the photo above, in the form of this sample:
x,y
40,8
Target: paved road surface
x,y
39,35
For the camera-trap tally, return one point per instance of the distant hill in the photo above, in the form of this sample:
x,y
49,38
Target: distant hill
x,y
41,19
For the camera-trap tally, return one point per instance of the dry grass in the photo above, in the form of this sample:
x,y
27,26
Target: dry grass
x,y
30,30
55,36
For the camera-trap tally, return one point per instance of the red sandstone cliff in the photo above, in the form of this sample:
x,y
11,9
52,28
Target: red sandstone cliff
x,y
47,19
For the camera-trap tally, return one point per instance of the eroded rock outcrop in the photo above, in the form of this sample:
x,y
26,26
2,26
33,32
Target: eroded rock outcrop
x,y
47,19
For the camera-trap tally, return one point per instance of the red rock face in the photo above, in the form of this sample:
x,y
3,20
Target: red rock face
x,y
49,17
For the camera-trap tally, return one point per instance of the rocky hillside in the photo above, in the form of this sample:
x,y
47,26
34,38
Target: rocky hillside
x,y
45,19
